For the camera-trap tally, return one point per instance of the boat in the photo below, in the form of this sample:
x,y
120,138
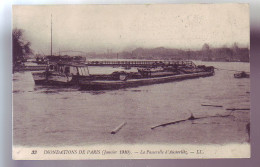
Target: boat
x,y
61,70
66,74
242,74
144,76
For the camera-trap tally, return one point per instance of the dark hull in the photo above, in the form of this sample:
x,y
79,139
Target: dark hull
x,y
40,82
73,82
55,83
109,84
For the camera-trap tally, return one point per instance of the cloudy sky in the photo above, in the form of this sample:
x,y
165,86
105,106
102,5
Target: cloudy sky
x,y
97,28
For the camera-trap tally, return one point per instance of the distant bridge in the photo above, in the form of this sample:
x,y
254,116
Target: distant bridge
x,y
138,63
70,51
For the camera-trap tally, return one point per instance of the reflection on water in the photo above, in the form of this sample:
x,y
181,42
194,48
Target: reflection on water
x,y
46,115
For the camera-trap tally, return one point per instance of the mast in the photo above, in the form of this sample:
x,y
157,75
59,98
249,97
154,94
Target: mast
x,y
51,34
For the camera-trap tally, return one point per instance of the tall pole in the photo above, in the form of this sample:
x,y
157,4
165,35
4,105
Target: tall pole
x,y
51,34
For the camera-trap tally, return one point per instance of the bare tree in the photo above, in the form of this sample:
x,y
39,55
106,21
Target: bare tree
x,y
21,48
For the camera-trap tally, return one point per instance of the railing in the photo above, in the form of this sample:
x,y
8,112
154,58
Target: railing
x,y
138,63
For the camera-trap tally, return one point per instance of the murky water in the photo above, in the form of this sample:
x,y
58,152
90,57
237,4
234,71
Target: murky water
x,y
54,116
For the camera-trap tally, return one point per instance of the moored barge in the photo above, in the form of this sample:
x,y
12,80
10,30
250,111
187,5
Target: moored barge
x,y
71,74
144,76
114,84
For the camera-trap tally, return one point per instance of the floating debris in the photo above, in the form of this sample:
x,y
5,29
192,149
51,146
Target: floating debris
x,y
189,119
17,91
233,109
211,105
118,128
49,91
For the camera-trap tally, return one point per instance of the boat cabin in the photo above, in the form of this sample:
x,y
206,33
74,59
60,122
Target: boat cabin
x,y
68,69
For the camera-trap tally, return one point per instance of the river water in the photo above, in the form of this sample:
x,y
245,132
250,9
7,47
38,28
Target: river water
x,y
53,116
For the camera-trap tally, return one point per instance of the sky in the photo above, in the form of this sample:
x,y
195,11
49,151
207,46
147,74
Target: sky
x,y
99,28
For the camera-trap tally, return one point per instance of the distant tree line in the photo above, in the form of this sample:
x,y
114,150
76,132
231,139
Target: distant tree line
x,y
21,49
206,53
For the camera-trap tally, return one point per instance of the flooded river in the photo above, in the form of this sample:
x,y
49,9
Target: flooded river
x,y
53,116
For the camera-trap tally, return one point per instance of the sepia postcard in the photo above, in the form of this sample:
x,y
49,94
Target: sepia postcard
x,y
154,81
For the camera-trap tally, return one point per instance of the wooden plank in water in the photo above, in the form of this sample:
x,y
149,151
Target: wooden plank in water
x,y
233,109
118,128
188,119
211,105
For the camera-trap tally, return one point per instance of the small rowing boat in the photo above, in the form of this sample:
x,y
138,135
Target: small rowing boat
x,y
242,74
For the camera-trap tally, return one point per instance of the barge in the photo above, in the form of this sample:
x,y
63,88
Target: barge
x,y
111,84
71,74
144,76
